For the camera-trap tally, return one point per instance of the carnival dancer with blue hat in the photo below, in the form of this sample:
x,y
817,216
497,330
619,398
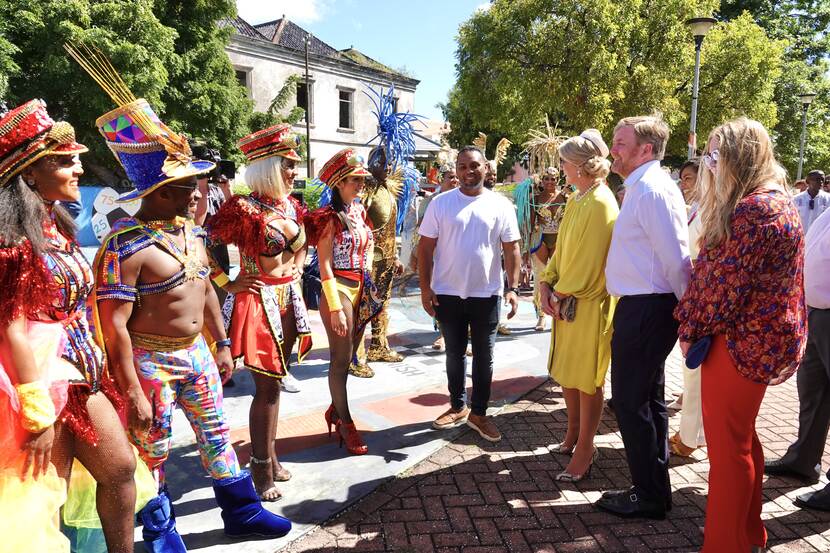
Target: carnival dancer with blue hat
x,y
154,299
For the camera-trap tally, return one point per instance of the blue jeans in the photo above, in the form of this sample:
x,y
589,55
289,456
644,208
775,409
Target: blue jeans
x,y
481,316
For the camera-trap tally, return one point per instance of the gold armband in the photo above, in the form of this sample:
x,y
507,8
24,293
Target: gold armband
x,y
221,280
36,407
332,295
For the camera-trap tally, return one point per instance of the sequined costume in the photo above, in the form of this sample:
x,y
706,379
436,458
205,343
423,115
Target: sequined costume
x,y
382,211
254,320
172,371
351,256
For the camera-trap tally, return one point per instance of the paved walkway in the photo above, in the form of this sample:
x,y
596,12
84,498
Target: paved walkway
x,y
477,497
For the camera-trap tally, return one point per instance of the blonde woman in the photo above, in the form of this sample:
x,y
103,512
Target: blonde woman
x,y
267,314
580,348
746,297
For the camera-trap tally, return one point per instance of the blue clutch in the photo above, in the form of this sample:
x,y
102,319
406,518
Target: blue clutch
x,y
698,351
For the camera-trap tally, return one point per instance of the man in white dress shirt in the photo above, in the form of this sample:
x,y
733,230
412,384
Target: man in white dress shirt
x,y
803,458
648,268
812,202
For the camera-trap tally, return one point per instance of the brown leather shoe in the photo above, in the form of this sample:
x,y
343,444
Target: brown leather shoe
x,y
485,427
451,418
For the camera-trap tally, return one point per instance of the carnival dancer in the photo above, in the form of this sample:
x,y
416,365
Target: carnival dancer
x,y
265,311
56,397
345,244
154,299
387,198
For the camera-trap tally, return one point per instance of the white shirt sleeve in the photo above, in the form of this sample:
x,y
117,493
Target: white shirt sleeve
x,y
668,233
429,224
510,226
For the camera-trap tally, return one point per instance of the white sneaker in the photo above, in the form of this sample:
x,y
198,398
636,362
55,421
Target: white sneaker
x,y
290,384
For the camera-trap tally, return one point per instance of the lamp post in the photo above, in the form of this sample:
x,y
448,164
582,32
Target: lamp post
x,y
806,99
699,27
308,109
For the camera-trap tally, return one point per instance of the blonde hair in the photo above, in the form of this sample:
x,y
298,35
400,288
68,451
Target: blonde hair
x,y
746,161
588,152
264,176
649,129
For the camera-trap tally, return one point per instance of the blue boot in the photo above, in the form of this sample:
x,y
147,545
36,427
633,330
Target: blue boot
x,y
243,513
159,532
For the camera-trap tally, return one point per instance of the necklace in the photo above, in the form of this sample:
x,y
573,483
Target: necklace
x,y
168,225
581,195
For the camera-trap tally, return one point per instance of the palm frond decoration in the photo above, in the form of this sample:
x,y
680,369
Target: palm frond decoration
x,y
543,148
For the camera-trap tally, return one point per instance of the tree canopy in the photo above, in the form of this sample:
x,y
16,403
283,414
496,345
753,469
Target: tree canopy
x,y
588,63
171,53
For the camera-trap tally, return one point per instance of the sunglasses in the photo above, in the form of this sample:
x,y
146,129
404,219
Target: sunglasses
x,y
812,203
355,161
711,159
187,187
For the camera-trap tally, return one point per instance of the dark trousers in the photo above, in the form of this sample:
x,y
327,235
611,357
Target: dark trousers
x,y
481,316
813,381
644,334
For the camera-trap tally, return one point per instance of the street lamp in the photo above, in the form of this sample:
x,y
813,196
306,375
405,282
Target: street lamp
x,y
806,99
699,27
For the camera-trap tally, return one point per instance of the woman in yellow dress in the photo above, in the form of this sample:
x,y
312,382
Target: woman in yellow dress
x,y
580,349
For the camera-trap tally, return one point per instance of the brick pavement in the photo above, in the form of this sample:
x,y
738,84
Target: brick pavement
x,y
476,497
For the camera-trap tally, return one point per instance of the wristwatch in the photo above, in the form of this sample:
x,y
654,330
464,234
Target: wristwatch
x,y
226,343
515,290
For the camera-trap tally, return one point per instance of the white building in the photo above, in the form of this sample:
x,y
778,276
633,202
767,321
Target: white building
x,y
339,113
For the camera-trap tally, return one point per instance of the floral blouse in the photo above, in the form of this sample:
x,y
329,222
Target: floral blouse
x,y
750,289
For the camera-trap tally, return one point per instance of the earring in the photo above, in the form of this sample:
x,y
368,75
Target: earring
x,y
30,183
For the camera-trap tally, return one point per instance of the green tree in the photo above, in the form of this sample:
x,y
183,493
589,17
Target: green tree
x,y
178,67
803,24
587,63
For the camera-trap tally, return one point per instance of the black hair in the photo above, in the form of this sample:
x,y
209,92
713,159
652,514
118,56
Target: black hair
x,y
470,149
22,213
694,163
816,174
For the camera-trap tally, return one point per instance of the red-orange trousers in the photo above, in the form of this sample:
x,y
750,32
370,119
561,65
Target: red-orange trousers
x,y
730,407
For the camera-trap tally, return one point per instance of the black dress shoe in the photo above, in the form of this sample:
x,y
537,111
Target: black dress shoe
x,y
819,500
777,467
629,504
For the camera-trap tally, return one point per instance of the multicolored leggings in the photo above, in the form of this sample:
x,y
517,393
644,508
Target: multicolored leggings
x,y
190,379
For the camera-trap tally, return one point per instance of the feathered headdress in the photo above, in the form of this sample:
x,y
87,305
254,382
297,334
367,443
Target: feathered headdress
x,y
150,152
543,148
502,146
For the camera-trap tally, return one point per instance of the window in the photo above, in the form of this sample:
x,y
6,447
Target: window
x,y
244,78
346,109
395,105
304,94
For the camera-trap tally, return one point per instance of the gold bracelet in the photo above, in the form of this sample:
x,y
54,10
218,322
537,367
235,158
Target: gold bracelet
x,y
332,295
36,406
221,280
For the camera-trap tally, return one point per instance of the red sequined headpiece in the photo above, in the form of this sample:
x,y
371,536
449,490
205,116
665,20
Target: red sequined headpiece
x,y
27,133
273,141
345,163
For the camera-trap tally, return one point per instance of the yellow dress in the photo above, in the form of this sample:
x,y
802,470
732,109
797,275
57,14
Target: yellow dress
x,y
580,351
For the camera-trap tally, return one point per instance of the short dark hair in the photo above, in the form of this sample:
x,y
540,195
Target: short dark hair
x,y
694,163
816,174
471,149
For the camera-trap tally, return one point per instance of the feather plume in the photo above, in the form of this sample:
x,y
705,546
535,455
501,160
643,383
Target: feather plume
x,y
501,151
481,143
543,148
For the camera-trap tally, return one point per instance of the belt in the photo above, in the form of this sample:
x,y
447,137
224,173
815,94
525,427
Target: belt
x,y
662,295
165,344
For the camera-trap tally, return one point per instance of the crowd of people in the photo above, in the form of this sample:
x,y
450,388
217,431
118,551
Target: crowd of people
x,y
95,358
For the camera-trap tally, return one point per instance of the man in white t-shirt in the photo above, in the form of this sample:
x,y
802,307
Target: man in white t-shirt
x,y
812,202
463,236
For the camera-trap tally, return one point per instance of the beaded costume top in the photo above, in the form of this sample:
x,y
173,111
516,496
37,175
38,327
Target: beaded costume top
x,y
353,242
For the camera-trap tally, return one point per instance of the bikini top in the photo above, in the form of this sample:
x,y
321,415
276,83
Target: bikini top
x,y
116,251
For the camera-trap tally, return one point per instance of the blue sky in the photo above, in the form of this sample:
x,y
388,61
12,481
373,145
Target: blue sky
x,y
418,35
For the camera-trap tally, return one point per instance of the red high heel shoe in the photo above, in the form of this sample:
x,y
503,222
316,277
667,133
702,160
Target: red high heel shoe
x,y
331,418
354,443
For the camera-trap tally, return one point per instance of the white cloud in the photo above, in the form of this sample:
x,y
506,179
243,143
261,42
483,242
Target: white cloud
x,y
483,7
298,11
